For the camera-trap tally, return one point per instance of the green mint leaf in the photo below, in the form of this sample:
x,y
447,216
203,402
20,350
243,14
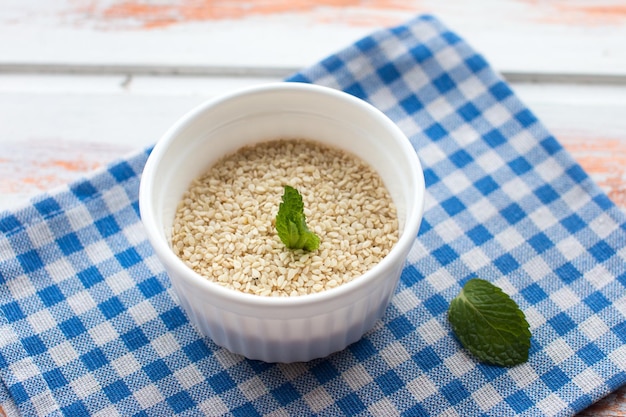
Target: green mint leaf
x,y
291,222
490,324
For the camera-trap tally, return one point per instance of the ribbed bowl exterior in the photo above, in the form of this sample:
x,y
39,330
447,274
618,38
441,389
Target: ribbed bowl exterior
x,y
281,329
289,339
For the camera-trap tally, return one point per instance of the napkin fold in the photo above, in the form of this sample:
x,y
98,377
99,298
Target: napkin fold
x,y
89,324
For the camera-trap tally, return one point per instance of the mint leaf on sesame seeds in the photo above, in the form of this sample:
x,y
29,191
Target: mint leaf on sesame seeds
x,y
490,324
291,222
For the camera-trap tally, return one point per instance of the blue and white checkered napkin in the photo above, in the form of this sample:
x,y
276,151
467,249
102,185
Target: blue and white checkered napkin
x,y
90,325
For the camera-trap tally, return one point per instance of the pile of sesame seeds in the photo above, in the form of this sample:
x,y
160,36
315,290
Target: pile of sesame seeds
x,y
224,227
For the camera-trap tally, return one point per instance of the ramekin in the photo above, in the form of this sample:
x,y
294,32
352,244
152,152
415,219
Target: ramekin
x,y
281,329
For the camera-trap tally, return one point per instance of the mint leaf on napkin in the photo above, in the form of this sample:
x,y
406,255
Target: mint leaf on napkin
x,y
291,222
490,324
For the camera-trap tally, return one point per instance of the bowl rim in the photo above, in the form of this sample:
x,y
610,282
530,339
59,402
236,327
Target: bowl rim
x,y
165,254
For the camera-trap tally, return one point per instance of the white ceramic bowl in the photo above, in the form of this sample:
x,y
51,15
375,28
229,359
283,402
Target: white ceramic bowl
x,y
281,329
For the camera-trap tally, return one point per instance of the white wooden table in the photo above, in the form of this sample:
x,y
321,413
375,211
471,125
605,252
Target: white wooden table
x,y
83,82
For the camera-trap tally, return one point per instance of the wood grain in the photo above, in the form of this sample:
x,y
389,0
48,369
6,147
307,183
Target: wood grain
x,y
28,168
149,15
582,37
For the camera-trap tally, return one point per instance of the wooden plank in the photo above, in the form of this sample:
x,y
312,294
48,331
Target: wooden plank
x,y
527,37
54,129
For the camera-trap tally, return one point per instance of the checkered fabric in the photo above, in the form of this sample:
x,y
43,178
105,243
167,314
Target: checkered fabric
x,y
90,325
